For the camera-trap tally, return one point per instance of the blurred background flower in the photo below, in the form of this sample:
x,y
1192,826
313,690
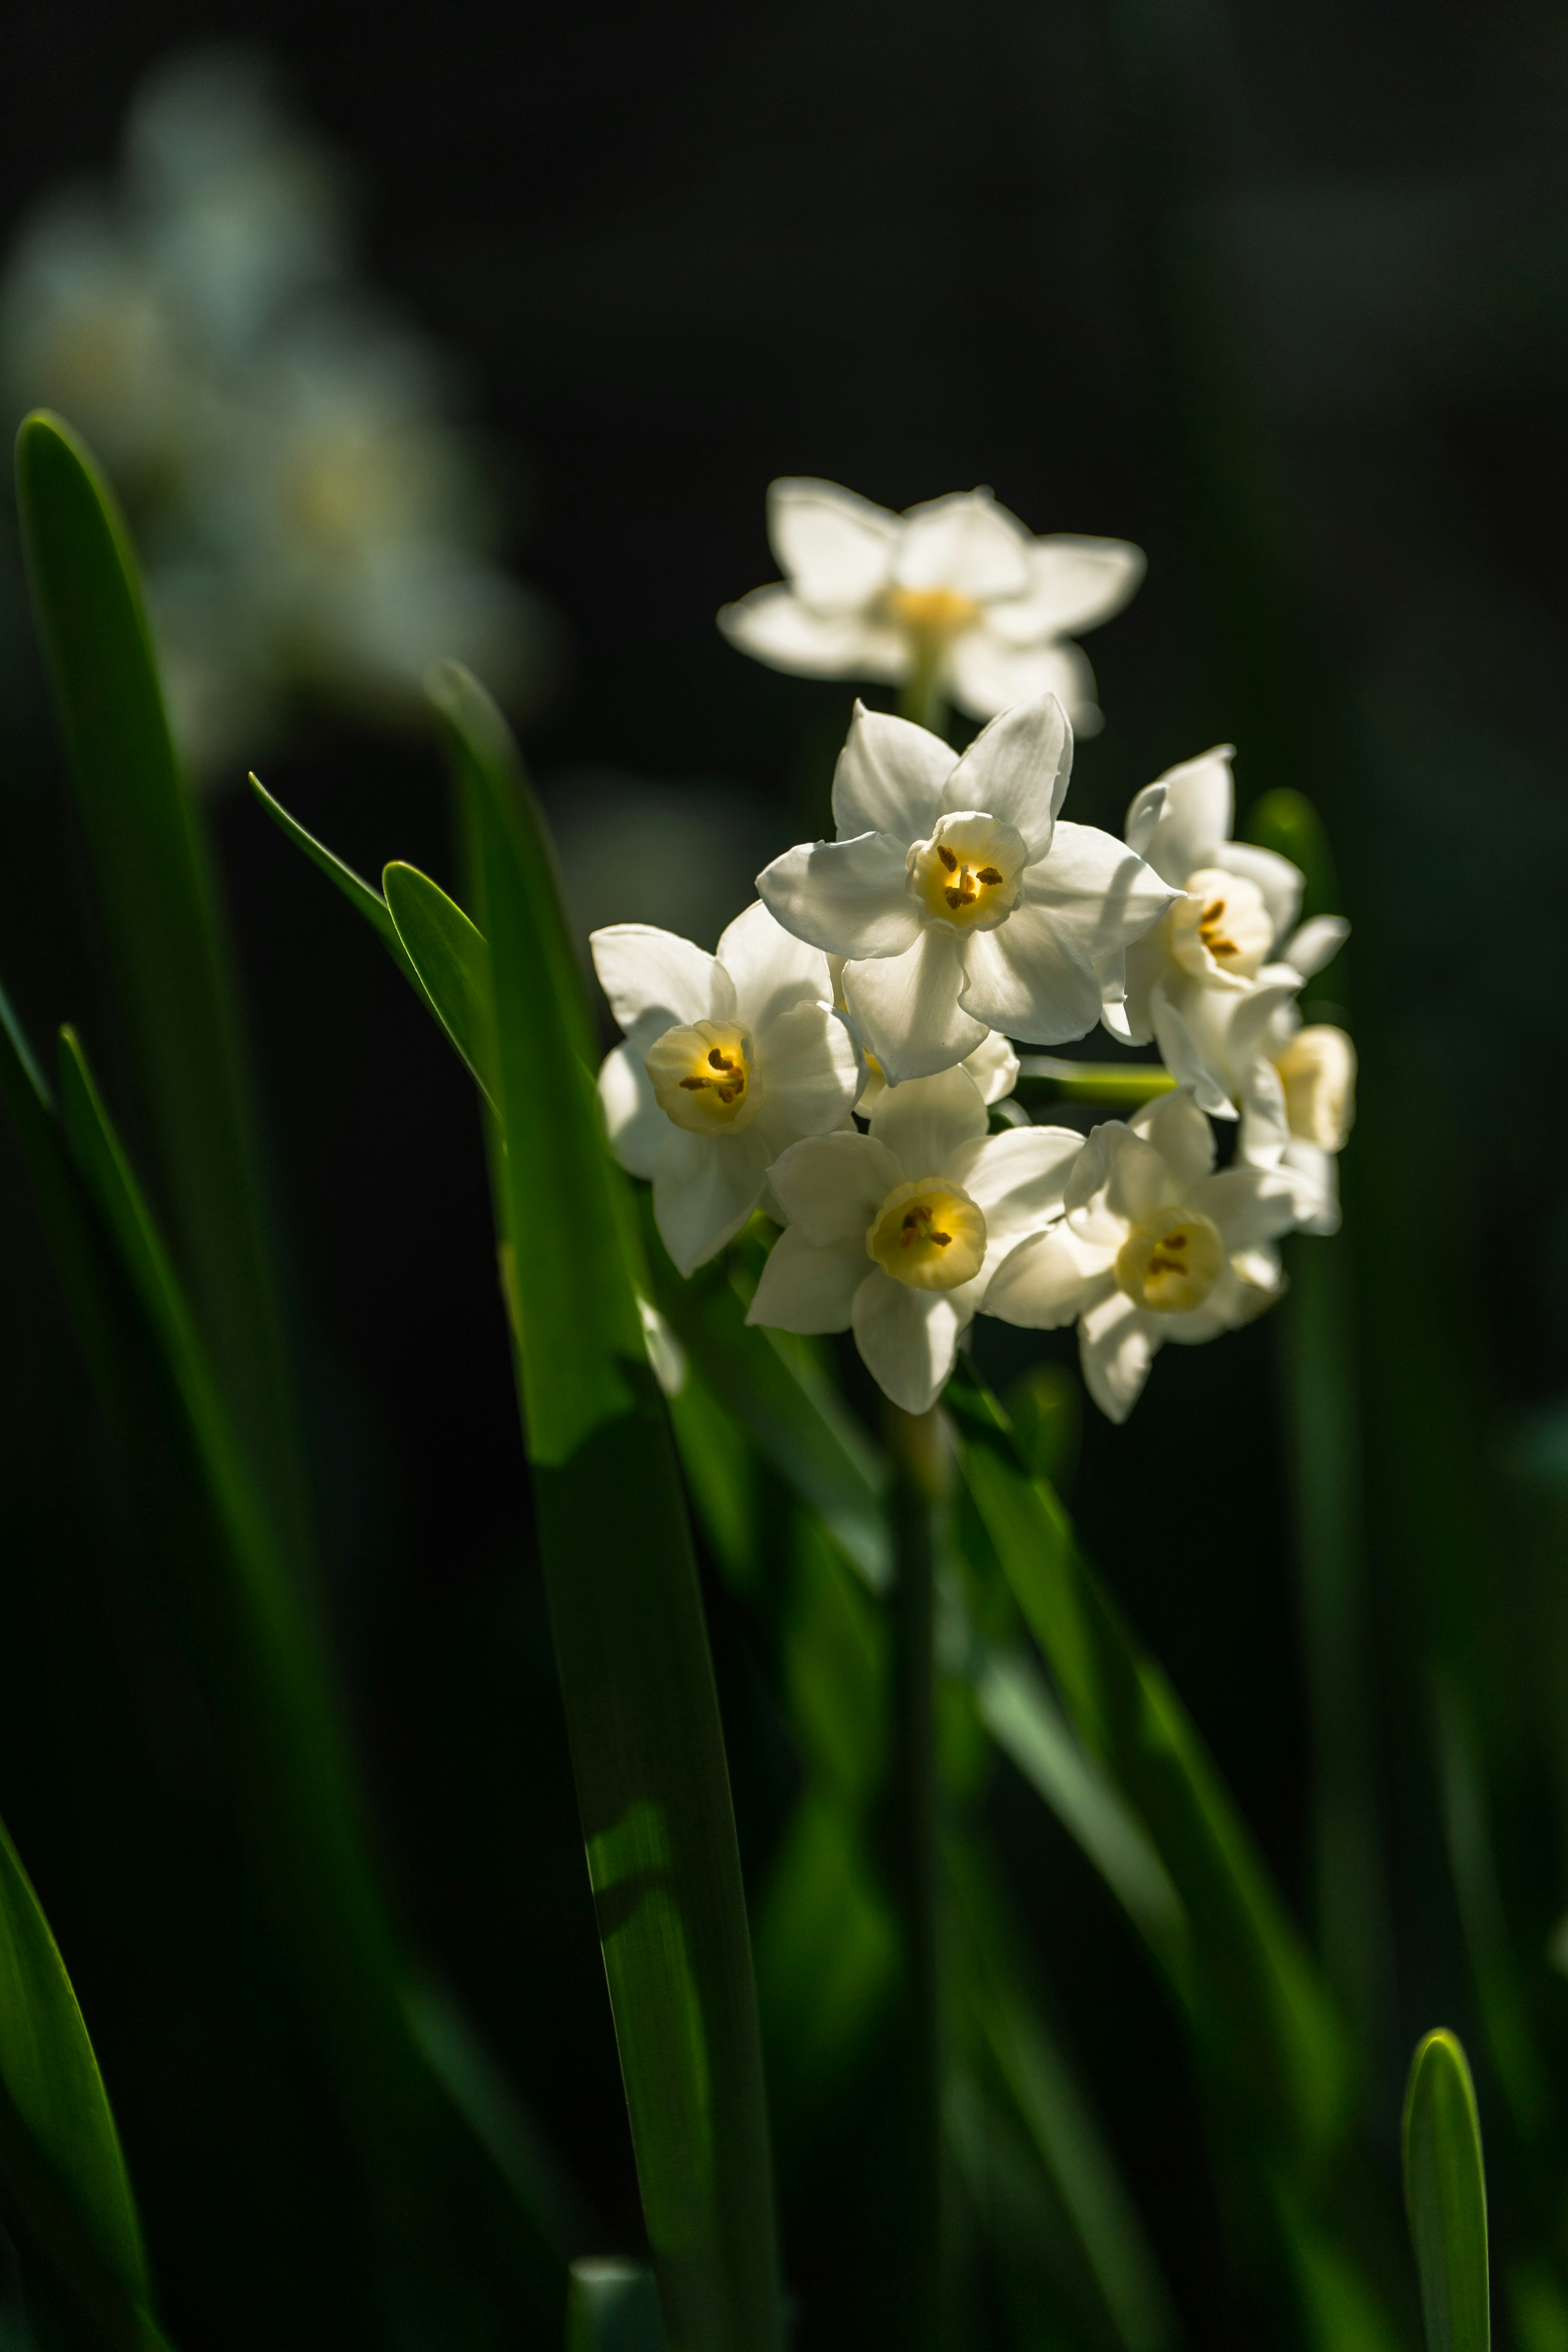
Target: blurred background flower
x,y
315,518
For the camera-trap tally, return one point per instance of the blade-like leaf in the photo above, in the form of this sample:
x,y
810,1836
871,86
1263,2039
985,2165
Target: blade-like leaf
x,y
1262,2017
1446,2197
172,984
792,1412
452,964
626,1611
354,887
60,2160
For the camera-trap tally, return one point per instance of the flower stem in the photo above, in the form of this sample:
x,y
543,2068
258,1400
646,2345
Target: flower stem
x,y
920,697
916,1444
1131,1082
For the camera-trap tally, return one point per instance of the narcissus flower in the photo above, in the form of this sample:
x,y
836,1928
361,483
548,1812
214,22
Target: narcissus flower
x,y
956,590
896,1235
728,1060
1154,1246
1293,1086
960,902
1236,913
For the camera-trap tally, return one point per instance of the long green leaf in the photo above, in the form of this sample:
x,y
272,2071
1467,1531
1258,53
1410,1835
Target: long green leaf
x,y
630,1641
1262,2018
451,963
614,2307
173,982
61,2159
1446,2197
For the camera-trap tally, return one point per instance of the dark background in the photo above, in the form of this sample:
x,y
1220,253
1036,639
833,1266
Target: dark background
x,y
1276,291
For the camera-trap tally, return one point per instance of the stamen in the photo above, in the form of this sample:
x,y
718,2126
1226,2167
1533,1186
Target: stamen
x,y
917,1227
693,1086
948,859
989,875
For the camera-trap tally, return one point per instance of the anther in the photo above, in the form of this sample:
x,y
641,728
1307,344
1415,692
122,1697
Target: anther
x,y
948,859
989,875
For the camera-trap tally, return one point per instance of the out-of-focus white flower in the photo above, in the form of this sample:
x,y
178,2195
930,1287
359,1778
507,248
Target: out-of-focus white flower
x,y
1237,914
896,1235
992,1065
728,1060
1294,1086
960,902
956,590
307,514
1154,1246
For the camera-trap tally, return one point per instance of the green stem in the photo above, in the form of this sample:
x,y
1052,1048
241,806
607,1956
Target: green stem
x,y
1129,1082
920,697
916,1447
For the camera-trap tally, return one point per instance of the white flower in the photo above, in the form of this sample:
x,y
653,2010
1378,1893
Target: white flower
x,y
959,901
1154,1246
992,1065
896,1233
727,1059
1238,914
956,587
1294,1086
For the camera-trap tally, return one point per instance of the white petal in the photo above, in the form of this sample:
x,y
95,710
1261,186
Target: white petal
x,y
1074,584
1028,978
1280,882
1264,1122
1017,770
907,1009
810,1075
1146,961
1136,1180
704,1189
1188,1047
1048,1281
908,1339
1181,1136
889,777
807,1288
835,548
965,542
1098,892
1315,1176
984,675
925,1122
1117,1343
643,969
635,1124
832,1185
771,968
994,1067
772,625
1017,1179
1200,802
847,897
1317,942
1143,814
1249,1205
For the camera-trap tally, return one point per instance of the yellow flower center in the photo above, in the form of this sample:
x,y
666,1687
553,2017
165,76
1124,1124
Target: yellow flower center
x,y
1222,922
1317,1070
1171,1261
967,874
703,1079
929,1234
930,616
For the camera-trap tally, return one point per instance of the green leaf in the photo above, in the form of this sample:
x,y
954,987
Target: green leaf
x,y
771,1385
626,1609
354,887
169,962
1263,2020
1446,2197
451,963
61,2159
1028,1724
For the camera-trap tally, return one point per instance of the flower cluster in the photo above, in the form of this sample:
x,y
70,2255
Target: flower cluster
x,y
839,1063
310,514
